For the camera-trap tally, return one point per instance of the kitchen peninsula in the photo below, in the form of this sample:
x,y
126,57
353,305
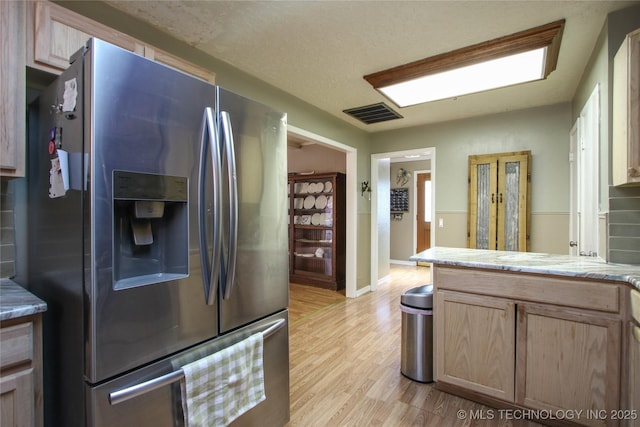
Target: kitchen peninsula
x,y
553,334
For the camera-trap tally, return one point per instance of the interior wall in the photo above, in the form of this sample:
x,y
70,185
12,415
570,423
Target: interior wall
x,y
543,130
315,158
402,230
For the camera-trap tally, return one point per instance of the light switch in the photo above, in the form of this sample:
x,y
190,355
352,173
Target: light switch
x,y
440,223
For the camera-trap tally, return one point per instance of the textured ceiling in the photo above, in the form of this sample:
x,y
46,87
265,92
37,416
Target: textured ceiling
x,y
319,51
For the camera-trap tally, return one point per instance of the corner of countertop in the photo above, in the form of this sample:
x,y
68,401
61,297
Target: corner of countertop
x,y
16,301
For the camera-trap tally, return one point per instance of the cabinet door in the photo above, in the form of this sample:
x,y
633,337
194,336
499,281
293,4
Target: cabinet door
x,y
634,373
16,399
499,201
483,185
58,33
512,202
475,343
179,64
625,151
568,360
12,88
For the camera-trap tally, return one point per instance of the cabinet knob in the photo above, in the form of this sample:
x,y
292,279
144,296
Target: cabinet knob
x,y
573,243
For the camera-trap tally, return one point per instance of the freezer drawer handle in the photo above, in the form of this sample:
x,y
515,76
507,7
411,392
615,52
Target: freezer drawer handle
x,y
125,394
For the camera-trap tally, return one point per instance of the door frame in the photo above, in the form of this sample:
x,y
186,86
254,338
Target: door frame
x,y
573,187
351,225
584,158
430,152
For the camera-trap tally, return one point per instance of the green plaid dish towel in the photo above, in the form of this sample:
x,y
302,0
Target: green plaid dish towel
x,y
224,385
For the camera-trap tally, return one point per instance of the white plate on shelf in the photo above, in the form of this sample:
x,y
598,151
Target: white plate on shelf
x,y
309,202
319,187
321,202
315,219
328,186
305,219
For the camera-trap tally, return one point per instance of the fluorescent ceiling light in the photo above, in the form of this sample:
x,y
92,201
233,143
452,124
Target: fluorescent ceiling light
x,y
507,71
522,57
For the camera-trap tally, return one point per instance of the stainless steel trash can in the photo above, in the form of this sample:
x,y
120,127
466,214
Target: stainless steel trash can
x,y
416,361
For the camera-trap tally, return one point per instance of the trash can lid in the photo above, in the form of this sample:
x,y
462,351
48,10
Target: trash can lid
x,y
418,297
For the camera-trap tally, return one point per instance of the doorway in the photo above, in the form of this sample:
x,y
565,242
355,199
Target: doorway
x,y
380,207
305,137
584,186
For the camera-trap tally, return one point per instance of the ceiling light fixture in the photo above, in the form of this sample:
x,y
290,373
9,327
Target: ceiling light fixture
x,y
518,58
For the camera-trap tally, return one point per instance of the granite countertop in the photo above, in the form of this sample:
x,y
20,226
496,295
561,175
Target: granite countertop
x,y
16,301
528,262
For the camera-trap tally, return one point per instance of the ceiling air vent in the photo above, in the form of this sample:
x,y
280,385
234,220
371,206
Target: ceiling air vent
x,y
373,113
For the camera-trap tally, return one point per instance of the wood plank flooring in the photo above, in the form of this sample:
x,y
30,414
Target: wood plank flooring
x,y
345,364
307,301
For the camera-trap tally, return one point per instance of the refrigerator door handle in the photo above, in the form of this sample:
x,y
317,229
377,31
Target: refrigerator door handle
x,y
208,141
229,147
125,394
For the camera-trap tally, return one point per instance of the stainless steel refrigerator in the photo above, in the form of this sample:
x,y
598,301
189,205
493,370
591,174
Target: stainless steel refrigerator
x,y
157,234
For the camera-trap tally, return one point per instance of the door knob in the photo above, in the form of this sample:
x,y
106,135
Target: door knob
x,y
573,243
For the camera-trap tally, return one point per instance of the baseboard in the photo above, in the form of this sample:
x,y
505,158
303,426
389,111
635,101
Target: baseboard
x,y
402,262
362,291
385,279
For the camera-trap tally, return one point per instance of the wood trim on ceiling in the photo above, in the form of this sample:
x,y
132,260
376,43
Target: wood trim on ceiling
x,y
548,35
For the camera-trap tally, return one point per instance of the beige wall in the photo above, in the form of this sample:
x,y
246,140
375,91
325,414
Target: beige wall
x,y
316,158
543,130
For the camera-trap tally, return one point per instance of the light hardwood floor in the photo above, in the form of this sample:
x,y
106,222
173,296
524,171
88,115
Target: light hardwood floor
x,y
345,364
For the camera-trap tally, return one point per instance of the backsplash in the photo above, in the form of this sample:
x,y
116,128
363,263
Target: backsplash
x,y
624,225
7,234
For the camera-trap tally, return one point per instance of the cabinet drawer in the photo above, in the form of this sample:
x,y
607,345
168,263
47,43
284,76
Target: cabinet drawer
x,y
16,344
528,287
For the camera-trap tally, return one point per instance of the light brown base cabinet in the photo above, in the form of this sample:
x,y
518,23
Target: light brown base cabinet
x,y
475,343
528,341
21,372
568,361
